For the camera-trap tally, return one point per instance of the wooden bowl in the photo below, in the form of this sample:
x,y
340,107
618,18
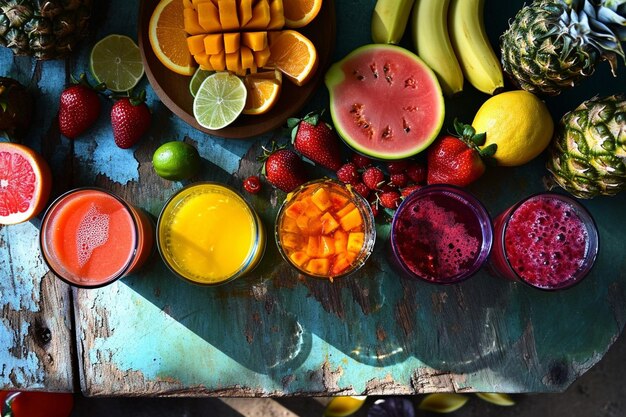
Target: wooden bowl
x,y
173,89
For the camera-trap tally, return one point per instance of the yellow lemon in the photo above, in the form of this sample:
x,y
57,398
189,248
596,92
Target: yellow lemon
x,y
518,122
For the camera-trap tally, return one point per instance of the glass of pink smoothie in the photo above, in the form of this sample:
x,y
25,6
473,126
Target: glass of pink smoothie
x,y
440,234
549,241
91,237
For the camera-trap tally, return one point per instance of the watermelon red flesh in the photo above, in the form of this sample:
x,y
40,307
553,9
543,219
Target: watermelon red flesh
x,y
385,102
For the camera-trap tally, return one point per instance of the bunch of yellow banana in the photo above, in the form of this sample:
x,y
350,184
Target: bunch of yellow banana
x,y
449,35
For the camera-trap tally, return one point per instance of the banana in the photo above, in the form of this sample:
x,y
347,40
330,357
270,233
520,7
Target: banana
x,y
389,20
429,23
469,39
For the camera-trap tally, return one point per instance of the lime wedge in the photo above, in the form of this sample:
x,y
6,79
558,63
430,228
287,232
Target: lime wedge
x,y
116,61
219,101
198,77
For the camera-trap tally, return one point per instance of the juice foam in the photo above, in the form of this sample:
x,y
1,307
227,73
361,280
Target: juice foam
x,y
436,238
546,242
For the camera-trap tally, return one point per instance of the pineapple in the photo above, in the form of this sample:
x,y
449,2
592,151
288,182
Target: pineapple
x,y
588,152
16,107
45,29
553,44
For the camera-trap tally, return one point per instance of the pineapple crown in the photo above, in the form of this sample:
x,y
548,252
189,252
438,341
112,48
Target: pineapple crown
x,y
598,23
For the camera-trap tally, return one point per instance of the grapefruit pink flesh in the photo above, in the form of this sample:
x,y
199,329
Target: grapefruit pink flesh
x,y
385,102
24,183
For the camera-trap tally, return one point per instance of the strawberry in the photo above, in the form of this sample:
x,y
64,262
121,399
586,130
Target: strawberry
x,y
130,119
283,168
416,173
390,199
79,107
458,160
373,177
348,174
316,140
407,191
252,184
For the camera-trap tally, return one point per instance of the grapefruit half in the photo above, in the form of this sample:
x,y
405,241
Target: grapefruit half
x,y
25,183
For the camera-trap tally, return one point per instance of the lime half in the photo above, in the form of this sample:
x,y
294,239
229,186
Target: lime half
x,y
220,100
116,61
196,81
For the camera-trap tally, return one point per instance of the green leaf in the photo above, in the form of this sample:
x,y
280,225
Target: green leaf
x,y
489,150
479,139
443,403
504,400
292,122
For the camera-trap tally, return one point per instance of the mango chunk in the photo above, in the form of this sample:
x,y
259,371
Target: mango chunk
x,y
311,210
341,263
339,201
277,15
315,226
345,210
327,246
208,16
204,61
321,198
196,2
233,61
228,14
299,258
218,61
313,246
244,7
256,41
195,44
247,58
190,22
318,266
260,16
213,43
329,224
231,42
292,241
187,4
355,241
289,225
352,220
341,241
261,57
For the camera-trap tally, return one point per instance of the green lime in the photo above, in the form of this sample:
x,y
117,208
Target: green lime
x,y
116,61
220,100
198,77
176,161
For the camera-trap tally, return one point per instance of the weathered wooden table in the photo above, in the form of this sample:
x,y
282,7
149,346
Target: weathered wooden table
x,y
275,333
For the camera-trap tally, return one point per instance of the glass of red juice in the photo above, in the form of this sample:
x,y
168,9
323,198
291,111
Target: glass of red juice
x,y
440,234
91,237
548,240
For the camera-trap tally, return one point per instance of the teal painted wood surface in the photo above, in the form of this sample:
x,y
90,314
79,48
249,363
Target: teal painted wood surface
x,y
275,333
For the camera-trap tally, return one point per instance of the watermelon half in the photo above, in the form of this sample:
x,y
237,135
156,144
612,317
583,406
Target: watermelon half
x,y
385,102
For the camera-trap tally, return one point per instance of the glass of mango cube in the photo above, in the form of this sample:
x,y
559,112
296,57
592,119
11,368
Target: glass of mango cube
x,y
324,229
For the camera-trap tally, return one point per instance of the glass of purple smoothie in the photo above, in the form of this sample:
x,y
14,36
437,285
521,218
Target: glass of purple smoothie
x,y
440,234
549,241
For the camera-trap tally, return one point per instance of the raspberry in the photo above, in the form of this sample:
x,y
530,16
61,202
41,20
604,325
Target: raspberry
x,y
399,179
361,189
390,199
416,173
410,190
252,184
396,167
373,178
361,161
348,174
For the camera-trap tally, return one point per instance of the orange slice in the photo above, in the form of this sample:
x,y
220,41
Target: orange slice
x,y
299,13
169,39
263,91
25,183
294,55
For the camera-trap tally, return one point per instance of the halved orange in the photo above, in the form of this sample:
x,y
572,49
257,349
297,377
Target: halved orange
x,y
263,91
169,39
294,55
25,182
299,13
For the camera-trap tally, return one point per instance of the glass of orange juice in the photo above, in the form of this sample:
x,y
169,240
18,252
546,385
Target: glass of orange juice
x,y
324,229
208,234
91,237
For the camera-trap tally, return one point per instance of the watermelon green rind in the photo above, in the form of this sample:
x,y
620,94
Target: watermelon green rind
x,y
335,80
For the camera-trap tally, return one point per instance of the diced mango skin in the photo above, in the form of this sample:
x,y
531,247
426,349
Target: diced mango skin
x,y
299,258
214,43
329,224
208,17
228,15
231,42
195,44
321,199
355,242
352,220
318,266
